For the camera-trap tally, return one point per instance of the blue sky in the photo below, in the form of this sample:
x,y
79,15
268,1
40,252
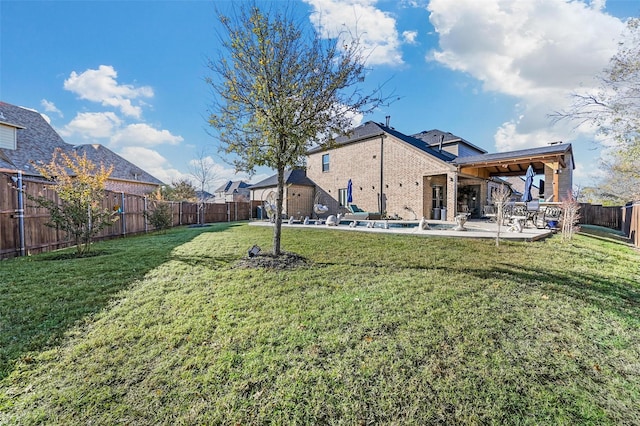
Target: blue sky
x,y
130,74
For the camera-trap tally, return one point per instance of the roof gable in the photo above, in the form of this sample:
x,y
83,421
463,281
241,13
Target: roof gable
x,y
37,140
371,129
122,169
437,137
291,177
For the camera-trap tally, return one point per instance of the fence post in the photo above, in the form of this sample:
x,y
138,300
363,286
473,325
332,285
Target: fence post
x,y
122,216
20,213
144,214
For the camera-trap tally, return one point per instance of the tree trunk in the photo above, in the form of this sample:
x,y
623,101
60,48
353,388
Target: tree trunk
x,y
277,230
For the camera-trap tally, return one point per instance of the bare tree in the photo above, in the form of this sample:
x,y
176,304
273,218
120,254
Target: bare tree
x,y
280,88
500,199
570,216
202,169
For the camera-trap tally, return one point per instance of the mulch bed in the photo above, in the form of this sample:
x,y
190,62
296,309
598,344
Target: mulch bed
x,y
269,261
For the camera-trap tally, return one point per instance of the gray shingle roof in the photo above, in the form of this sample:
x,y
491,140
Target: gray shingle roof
x,y
295,177
37,140
122,169
372,129
434,136
231,186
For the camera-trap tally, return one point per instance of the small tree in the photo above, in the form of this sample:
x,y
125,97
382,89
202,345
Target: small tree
x,y
159,215
570,216
79,184
500,199
181,190
280,89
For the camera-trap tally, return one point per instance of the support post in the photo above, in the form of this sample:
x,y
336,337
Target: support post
x,y
20,214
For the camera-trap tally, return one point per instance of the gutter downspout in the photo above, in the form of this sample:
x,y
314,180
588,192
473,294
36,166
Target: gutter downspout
x,y
20,214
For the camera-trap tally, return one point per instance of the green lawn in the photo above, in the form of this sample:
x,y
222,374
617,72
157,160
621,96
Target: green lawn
x,y
380,329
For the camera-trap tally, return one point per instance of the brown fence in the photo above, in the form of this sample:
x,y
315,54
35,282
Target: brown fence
x,y
594,214
23,230
631,222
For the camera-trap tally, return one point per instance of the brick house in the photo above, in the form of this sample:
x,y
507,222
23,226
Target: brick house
x,y
299,192
26,137
428,174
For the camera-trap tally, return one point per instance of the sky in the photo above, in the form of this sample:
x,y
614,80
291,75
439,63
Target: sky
x,y
131,74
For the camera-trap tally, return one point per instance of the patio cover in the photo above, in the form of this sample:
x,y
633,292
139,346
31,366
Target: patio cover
x,y
515,163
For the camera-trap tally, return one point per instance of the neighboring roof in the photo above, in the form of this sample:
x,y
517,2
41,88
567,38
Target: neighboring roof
x,y
517,184
517,158
231,186
291,177
371,129
37,140
203,195
122,169
433,138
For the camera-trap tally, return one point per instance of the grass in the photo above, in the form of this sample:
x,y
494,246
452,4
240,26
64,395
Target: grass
x,y
163,329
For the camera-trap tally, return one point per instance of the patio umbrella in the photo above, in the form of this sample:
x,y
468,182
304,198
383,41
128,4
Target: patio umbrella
x,y
526,196
349,192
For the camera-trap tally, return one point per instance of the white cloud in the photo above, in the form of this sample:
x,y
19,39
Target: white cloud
x,y
145,135
410,36
50,107
536,51
101,86
91,125
376,29
152,162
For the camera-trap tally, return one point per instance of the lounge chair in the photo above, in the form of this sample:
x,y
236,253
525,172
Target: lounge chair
x,y
356,213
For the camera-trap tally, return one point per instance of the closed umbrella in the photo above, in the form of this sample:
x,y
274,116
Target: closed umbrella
x,y
526,196
349,192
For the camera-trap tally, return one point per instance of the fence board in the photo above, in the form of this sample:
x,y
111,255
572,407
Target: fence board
x,y
128,208
607,216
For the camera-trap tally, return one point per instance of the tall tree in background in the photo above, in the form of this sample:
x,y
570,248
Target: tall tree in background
x,y
79,184
203,171
280,89
615,110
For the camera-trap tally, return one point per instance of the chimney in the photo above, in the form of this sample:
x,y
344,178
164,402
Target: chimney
x,y
441,140
388,119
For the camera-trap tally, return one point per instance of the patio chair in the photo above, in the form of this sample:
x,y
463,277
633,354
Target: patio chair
x,y
551,217
356,213
490,213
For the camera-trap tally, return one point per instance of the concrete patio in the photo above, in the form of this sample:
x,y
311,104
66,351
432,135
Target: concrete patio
x,y
474,229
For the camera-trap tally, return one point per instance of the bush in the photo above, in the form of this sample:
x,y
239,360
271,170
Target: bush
x,y
160,216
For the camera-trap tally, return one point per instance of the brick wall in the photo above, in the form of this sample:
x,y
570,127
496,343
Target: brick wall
x,y
403,176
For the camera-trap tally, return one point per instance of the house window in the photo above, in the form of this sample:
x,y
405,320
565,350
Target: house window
x,y
325,163
7,137
342,197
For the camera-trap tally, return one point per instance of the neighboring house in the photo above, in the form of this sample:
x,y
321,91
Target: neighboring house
x,y
26,137
205,196
424,175
299,192
232,191
517,187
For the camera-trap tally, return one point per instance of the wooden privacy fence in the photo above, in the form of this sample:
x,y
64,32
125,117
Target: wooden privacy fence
x,y
23,230
594,214
631,222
